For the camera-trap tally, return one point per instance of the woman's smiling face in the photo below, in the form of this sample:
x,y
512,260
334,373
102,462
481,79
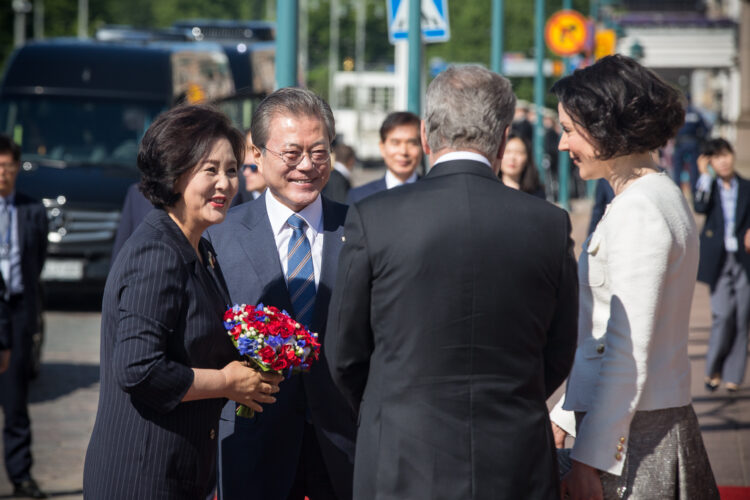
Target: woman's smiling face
x,y
577,143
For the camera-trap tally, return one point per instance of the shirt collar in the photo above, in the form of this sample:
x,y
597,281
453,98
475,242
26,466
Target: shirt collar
x,y
278,213
732,184
9,200
391,181
341,168
462,155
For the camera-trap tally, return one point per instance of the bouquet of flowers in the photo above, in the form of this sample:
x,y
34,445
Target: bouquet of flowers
x,y
271,340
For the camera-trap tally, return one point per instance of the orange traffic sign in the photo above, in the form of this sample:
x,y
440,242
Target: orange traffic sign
x,y
566,32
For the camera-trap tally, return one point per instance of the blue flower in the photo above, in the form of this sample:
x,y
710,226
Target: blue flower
x,y
247,346
274,341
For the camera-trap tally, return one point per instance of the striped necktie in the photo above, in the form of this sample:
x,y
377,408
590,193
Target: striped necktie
x,y
5,245
300,275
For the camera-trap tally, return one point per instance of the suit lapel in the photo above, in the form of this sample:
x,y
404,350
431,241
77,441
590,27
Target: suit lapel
x,y
333,232
260,249
743,193
23,220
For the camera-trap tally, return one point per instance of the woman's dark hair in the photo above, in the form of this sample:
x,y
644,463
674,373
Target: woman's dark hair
x,y
176,142
623,107
529,176
716,146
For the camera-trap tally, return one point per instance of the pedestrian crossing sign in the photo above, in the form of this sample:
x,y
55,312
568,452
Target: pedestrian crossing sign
x,y
435,26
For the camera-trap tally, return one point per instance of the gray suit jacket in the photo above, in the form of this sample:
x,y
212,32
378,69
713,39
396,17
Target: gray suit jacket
x,y
252,449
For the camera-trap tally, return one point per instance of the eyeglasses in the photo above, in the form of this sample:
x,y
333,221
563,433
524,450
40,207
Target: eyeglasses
x,y
294,158
252,166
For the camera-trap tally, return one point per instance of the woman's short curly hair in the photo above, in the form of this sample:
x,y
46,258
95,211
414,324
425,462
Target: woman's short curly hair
x,y
622,106
176,142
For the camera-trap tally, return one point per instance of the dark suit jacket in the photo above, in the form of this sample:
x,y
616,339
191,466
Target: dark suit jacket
x,y
262,453
602,196
361,192
161,316
337,187
32,238
450,325
712,236
134,210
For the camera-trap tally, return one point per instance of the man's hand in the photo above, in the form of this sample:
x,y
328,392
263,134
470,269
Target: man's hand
x,y
4,360
747,241
559,435
703,161
581,483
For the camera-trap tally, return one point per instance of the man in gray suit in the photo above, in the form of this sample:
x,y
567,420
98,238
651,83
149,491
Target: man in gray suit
x,y
452,322
282,250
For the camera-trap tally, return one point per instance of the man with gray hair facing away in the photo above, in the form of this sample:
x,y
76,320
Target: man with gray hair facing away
x,y
451,323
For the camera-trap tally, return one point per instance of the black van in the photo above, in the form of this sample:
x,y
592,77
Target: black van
x,y
79,109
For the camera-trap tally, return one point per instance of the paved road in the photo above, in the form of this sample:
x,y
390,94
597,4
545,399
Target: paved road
x,y
64,398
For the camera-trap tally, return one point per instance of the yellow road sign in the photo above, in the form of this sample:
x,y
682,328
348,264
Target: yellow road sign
x,y
605,42
566,32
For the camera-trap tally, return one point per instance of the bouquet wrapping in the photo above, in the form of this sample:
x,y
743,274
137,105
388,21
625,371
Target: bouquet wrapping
x,y
271,340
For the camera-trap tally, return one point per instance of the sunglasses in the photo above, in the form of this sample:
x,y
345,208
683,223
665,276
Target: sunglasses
x,y
252,166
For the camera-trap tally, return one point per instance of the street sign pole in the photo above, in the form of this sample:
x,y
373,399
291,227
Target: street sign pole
x,y
286,42
498,11
415,57
539,87
563,158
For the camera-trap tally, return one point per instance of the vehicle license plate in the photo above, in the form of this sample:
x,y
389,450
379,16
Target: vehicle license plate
x,y
62,270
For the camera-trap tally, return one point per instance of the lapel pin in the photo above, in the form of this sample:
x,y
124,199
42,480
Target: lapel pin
x,y
343,238
211,260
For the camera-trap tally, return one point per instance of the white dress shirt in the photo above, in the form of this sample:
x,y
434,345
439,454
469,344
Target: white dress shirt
x,y
391,181
728,205
462,155
278,214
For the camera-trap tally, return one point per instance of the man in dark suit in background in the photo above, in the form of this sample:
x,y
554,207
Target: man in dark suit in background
x,y
725,262
23,248
339,183
282,250
401,148
451,323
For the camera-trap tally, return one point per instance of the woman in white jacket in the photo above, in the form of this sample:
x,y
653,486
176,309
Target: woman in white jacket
x,y
629,389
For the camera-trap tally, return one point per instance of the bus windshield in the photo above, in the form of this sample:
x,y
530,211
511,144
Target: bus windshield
x,y
77,130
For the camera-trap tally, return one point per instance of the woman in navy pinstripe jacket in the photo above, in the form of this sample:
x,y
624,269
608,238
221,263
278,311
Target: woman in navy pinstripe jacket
x,y
167,364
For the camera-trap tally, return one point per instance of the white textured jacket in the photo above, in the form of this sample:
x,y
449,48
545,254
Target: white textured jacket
x,y
637,275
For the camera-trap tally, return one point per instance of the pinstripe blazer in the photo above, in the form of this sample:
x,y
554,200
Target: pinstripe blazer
x,y
161,315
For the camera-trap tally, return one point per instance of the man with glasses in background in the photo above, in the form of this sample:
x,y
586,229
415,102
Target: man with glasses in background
x,y
282,250
23,247
254,183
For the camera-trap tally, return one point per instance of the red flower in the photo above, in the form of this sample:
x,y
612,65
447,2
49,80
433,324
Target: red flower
x,y
279,364
236,331
267,354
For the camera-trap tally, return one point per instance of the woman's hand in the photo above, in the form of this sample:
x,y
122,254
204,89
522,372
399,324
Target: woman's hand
x,y
250,387
581,483
559,435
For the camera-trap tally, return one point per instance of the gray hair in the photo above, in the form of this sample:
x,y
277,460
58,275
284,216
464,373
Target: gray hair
x,y
468,107
291,101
